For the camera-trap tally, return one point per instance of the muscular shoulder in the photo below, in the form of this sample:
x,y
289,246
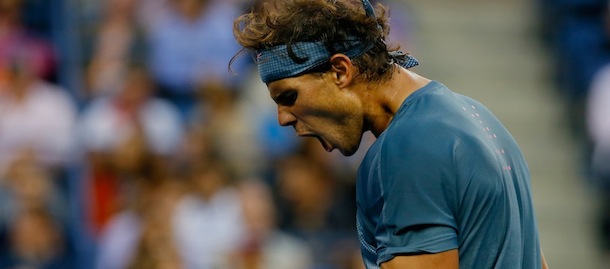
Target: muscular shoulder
x,y
433,134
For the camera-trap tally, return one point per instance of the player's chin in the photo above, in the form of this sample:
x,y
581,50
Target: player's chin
x,y
349,151
344,146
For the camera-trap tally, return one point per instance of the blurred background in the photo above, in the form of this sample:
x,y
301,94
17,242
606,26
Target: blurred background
x,y
126,143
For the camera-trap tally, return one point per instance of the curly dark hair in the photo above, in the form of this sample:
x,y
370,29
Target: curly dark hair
x,y
286,22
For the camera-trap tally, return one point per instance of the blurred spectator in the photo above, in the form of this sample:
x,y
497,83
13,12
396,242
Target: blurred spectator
x,y
315,207
264,246
117,134
119,43
191,44
20,47
208,223
28,186
108,120
118,241
34,115
219,114
140,236
111,179
33,217
197,146
306,189
36,240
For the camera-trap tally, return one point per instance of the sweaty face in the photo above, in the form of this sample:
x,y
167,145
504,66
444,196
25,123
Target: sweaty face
x,y
315,106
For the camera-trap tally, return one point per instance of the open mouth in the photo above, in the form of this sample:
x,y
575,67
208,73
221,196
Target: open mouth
x,y
327,146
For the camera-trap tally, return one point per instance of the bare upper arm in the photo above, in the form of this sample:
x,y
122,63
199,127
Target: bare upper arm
x,y
443,260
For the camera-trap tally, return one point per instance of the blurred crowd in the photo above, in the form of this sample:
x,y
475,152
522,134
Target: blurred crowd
x,y
126,142
577,33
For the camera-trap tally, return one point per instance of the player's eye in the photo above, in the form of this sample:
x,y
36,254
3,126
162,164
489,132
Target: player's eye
x,y
287,98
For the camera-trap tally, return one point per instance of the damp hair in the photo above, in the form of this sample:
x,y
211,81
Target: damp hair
x,y
287,22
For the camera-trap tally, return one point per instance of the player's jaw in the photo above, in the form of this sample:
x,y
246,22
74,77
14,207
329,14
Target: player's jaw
x,y
333,137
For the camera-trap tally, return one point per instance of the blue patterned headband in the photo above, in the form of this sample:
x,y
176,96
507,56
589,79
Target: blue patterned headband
x,y
276,63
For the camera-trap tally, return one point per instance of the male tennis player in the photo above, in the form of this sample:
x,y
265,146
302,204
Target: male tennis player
x,y
444,185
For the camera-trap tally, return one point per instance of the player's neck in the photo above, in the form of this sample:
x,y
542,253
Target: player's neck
x,y
388,96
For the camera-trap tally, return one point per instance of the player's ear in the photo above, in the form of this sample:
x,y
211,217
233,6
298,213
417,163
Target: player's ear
x,y
342,70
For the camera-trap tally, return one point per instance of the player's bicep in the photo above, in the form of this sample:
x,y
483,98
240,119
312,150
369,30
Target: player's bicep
x,y
443,260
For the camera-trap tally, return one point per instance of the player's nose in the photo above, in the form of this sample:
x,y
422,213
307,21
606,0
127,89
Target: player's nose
x,y
285,117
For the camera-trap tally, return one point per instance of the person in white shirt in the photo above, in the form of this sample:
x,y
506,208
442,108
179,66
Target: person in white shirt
x,y
35,116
